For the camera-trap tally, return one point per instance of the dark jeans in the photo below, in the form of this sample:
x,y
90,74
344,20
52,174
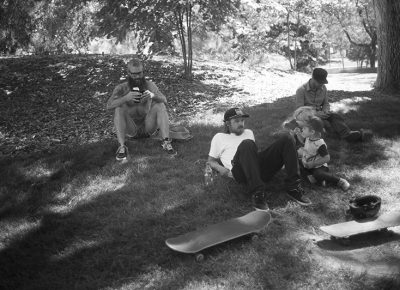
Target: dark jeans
x,y
321,173
254,168
338,124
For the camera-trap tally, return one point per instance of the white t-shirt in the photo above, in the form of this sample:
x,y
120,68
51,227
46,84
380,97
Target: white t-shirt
x,y
224,146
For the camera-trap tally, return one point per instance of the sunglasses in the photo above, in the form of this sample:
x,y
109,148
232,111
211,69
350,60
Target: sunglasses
x,y
135,73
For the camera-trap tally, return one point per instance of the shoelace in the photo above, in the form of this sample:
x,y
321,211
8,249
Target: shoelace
x,y
122,148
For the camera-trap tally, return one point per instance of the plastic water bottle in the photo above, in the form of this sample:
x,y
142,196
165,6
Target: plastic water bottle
x,y
208,175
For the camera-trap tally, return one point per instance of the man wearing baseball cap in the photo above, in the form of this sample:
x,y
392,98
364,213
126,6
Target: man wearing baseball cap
x,y
236,150
314,94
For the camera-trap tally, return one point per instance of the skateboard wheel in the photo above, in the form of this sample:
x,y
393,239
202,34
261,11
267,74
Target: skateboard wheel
x,y
199,257
255,238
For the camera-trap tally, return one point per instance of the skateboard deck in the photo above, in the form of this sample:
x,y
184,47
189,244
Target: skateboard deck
x,y
355,227
212,235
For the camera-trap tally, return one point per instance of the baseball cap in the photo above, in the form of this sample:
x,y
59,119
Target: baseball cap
x,y
319,74
234,113
316,124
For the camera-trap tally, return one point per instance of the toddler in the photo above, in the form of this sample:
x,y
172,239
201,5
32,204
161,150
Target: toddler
x,y
315,156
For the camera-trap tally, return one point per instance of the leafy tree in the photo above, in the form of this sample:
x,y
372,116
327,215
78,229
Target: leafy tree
x,y
161,21
357,20
62,26
388,24
15,24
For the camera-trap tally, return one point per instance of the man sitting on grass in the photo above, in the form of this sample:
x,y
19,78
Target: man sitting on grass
x,y
236,150
314,94
139,110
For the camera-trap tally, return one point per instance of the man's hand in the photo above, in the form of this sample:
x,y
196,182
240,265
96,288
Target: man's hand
x,y
133,97
229,173
147,95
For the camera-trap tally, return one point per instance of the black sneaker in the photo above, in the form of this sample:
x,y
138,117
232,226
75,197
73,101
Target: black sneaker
x,y
122,153
259,201
354,136
297,194
166,145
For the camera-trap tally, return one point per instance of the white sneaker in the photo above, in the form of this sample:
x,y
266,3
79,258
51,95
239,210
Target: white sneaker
x,y
122,153
166,145
343,184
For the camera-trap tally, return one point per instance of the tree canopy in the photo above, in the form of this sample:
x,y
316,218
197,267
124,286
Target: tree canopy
x,y
303,31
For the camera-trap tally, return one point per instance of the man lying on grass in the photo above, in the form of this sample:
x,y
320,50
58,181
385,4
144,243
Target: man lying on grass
x,y
236,150
139,110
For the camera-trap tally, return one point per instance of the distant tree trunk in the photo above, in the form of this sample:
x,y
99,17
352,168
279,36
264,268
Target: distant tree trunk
x,y
388,24
185,37
288,39
188,70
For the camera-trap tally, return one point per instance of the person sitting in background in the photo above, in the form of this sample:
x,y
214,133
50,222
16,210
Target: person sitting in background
x,y
139,110
314,94
315,156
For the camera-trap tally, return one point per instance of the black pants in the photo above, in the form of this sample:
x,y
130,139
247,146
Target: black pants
x,y
338,124
321,173
254,168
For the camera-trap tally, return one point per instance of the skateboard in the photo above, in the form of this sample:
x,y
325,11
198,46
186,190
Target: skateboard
x,y
342,231
198,240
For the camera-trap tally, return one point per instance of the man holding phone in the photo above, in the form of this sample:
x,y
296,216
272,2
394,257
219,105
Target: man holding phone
x,y
139,110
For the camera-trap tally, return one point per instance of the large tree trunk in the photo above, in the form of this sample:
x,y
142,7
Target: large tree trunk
x,y
388,24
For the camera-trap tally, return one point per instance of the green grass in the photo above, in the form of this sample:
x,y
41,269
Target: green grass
x,y
77,219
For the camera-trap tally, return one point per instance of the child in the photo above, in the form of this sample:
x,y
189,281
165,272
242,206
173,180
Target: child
x,y
314,155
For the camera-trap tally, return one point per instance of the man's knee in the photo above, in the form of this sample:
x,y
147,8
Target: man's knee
x,y
335,116
247,144
121,110
159,107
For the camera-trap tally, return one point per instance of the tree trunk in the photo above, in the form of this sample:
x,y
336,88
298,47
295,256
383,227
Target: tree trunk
x,y
288,39
188,70
388,26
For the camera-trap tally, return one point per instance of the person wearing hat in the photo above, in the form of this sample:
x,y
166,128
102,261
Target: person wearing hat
x,y
234,154
315,156
314,94
139,110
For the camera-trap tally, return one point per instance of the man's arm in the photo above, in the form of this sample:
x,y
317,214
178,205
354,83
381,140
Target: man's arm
x,y
116,100
214,163
300,97
158,97
325,102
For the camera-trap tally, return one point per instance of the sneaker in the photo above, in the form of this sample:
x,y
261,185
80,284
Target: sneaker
x,y
366,135
122,153
353,136
259,201
297,194
166,145
343,184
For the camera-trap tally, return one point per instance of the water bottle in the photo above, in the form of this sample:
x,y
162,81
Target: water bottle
x,y
208,175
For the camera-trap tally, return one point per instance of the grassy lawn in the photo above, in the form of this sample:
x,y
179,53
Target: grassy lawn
x,y
71,217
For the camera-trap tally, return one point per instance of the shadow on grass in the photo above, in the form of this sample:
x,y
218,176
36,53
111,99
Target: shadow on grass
x,y
117,238
360,241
